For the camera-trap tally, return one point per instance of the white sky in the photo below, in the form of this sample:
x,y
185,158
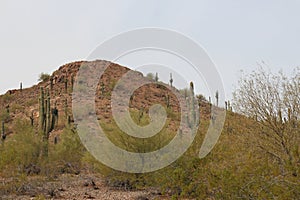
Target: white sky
x,y
39,36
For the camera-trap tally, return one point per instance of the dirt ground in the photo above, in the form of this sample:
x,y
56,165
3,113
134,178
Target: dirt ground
x,y
77,187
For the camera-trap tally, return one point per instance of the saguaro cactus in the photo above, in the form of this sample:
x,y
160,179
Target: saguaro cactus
x,y
192,105
31,119
51,83
41,109
66,108
72,81
156,77
54,117
167,99
21,86
3,135
66,85
171,80
48,113
102,88
217,98
46,123
192,88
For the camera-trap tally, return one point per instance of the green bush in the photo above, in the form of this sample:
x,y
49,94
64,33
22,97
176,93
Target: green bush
x,y
44,77
21,150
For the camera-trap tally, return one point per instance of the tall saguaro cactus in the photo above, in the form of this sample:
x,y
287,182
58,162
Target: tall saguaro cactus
x,y
217,98
156,77
192,88
48,114
171,80
72,81
192,118
54,113
47,117
41,109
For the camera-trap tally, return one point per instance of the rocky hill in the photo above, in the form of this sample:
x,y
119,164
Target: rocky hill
x,y
24,103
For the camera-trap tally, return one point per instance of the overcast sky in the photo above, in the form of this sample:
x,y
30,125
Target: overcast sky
x,y
39,36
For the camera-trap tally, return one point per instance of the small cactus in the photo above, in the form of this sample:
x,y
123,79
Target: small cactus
x,y
156,77
31,119
3,135
69,120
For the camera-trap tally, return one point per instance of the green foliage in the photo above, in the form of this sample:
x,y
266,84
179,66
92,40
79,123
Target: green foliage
x,y
4,115
66,156
234,169
16,107
44,77
25,147
237,168
20,151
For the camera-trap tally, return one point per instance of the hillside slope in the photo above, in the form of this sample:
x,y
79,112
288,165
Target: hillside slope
x,y
237,167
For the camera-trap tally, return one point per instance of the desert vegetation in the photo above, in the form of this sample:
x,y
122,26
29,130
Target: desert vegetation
x,y
256,157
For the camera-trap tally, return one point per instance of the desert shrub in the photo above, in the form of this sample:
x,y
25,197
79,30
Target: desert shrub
x,y
65,157
16,107
4,116
44,77
234,169
150,76
21,150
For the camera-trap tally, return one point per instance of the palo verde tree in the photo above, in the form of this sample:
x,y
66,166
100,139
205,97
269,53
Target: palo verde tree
x,y
273,100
